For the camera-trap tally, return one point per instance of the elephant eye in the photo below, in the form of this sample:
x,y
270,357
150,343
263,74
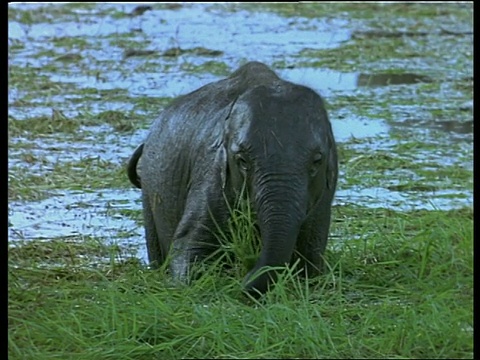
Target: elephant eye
x,y
317,159
241,162
316,163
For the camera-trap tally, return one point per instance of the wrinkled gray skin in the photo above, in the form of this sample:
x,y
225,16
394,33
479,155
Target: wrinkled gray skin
x,y
251,129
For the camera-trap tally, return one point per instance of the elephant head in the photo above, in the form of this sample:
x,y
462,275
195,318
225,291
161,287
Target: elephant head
x,y
278,143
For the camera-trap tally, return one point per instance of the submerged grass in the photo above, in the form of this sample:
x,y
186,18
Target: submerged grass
x,y
59,123
364,11
400,287
85,174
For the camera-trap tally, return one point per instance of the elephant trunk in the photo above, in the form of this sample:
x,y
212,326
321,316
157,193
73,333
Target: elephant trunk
x,y
280,214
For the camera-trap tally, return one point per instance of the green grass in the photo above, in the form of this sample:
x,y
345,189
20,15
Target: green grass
x,y
400,285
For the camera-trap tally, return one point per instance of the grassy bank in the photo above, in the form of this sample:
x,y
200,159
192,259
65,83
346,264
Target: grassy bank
x,y
403,289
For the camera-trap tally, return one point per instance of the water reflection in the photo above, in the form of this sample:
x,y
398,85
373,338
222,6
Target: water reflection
x,y
391,79
71,213
328,80
449,126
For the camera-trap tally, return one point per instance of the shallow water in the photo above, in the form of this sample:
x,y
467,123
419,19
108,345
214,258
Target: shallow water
x,y
385,115
71,213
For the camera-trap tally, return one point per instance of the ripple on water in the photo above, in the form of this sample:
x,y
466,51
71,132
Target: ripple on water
x,y
378,197
71,213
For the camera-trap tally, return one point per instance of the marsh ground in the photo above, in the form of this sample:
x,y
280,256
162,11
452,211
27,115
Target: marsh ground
x,y
87,80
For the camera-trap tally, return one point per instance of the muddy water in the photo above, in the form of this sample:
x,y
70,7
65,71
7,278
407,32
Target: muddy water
x,y
372,108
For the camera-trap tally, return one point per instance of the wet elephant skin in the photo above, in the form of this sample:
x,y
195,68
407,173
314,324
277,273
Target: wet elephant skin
x,y
251,133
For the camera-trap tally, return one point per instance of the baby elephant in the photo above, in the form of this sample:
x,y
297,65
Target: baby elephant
x,y
252,131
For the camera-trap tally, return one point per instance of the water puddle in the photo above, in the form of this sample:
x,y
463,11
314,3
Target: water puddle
x,y
179,82
71,213
191,26
461,128
391,79
36,109
329,80
114,148
376,197
347,126
197,25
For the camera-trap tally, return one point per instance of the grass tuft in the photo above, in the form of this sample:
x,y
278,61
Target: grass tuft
x,y
403,289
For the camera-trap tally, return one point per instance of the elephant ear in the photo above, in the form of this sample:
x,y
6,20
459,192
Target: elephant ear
x,y
332,167
221,163
221,157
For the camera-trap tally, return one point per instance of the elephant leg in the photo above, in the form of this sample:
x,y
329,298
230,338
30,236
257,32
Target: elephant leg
x,y
313,237
155,255
192,243
194,239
